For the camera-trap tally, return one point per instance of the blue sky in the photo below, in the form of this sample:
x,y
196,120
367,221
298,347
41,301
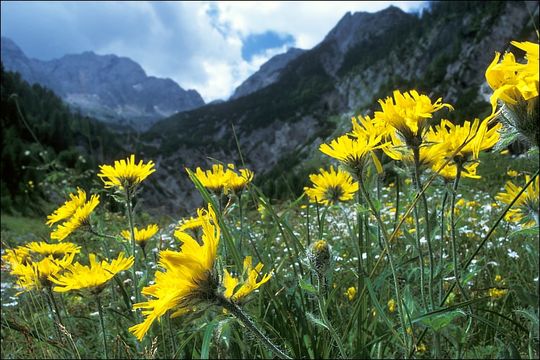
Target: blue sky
x,y
207,46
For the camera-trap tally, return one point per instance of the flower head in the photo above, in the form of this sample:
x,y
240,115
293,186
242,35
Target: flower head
x,y
525,209
79,218
351,293
224,180
331,186
248,286
37,274
511,81
408,114
353,152
55,250
188,275
68,209
92,277
392,305
141,236
125,174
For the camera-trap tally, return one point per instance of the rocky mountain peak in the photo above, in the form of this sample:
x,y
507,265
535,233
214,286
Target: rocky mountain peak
x,y
108,87
356,27
268,73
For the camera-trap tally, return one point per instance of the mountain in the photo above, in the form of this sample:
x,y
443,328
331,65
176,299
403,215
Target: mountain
x,y
111,88
443,53
268,73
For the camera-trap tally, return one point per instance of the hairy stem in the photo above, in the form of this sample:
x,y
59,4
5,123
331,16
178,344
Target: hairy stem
x,y
100,311
240,315
389,257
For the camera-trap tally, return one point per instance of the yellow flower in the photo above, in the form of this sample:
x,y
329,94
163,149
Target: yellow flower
x,y
93,277
511,81
351,293
221,180
331,186
450,170
495,293
141,236
429,153
248,286
237,182
422,348
525,209
78,219
392,305
467,139
36,275
189,275
214,180
68,209
55,250
498,278
353,152
512,173
408,114
17,256
125,174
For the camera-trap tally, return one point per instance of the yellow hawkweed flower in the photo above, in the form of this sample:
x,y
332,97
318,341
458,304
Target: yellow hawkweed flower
x,y
214,180
353,152
248,286
17,256
429,153
511,81
55,250
495,293
351,293
36,275
237,182
498,278
408,114
221,180
78,219
422,348
141,236
332,186
188,275
68,209
525,209
125,174
470,138
449,172
512,173
92,277
392,305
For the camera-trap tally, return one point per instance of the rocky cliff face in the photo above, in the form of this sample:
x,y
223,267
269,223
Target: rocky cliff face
x,y
268,74
110,88
444,53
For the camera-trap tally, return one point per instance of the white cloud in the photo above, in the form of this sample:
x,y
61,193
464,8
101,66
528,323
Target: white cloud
x,y
197,44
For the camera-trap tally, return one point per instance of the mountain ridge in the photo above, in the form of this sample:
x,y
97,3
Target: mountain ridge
x,y
108,87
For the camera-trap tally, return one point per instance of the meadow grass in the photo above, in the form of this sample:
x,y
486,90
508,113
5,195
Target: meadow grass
x,y
306,312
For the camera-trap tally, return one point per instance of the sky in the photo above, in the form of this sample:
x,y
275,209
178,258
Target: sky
x,y
209,46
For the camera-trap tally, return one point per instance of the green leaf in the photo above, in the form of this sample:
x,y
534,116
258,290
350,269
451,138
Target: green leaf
x,y
205,347
440,321
316,320
525,232
307,286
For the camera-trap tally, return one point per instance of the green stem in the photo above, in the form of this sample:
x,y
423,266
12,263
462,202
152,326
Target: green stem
x,y
420,255
390,260
453,232
427,228
240,315
443,205
100,311
322,311
129,206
